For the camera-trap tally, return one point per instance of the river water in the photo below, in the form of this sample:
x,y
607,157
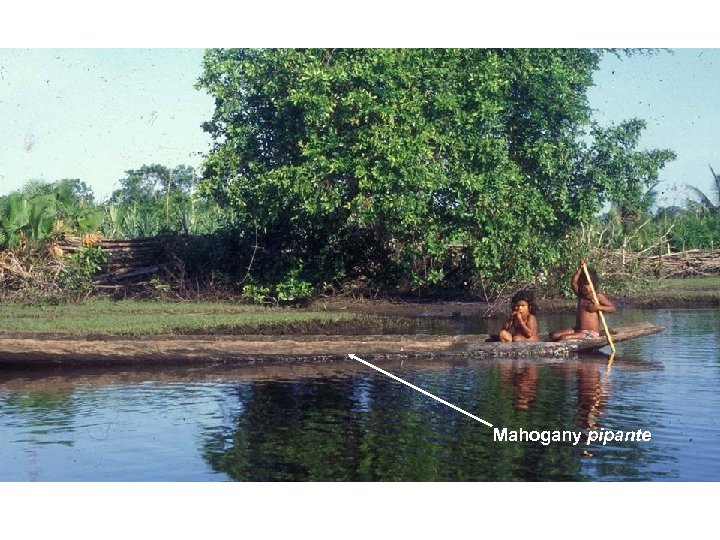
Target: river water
x,y
342,421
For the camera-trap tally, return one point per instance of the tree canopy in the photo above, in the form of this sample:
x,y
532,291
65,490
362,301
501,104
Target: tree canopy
x,y
421,166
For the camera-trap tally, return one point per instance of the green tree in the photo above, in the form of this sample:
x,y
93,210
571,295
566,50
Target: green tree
x,y
155,199
431,166
153,181
697,225
695,228
630,223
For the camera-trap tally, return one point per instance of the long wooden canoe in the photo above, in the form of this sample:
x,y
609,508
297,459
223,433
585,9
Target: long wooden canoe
x,y
27,351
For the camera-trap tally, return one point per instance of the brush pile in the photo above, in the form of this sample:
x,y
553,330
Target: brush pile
x,y
690,263
130,262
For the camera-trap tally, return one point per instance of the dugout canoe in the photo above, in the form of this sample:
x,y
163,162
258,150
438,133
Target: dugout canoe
x,y
33,350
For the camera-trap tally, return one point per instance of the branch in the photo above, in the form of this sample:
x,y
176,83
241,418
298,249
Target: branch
x,y
637,231
660,240
252,258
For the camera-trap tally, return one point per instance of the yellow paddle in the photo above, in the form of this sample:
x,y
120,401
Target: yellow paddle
x,y
597,303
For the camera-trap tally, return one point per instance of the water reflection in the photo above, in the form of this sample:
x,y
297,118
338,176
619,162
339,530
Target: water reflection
x,y
592,392
368,428
523,379
342,421
327,422
587,376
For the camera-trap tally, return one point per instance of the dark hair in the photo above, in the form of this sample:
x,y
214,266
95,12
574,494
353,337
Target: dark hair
x,y
582,280
526,295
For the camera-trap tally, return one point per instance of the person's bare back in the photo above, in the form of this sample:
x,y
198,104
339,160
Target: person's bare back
x,y
587,318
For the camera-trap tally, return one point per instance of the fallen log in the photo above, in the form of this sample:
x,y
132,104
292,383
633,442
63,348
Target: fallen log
x,y
128,273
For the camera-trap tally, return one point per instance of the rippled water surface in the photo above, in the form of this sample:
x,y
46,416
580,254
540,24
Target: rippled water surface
x,y
344,421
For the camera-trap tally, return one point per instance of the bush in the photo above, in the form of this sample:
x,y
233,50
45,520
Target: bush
x,y
293,289
75,278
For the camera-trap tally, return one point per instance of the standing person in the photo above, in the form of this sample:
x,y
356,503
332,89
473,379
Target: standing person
x,y
522,324
587,318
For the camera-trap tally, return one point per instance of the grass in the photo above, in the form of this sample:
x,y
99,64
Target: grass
x,y
690,284
132,317
680,292
136,317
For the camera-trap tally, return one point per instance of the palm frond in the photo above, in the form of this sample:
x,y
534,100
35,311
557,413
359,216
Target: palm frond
x,y
703,199
717,184
36,187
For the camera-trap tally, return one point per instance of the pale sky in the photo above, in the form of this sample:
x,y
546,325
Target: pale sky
x,y
678,95
94,113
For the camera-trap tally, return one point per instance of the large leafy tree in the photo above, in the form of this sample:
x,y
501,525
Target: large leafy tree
x,y
423,165
153,182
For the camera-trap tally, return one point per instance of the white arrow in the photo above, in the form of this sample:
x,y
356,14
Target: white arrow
x,y
420,390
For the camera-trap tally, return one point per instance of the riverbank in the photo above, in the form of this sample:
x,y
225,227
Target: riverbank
x,y
142,318
106,332
667,293
332,316
676,293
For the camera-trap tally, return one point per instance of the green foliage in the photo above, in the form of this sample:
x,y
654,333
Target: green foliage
x,y
75,278
706,202
291,290
294,289
428,167
696,228
41,209
158,286
257,294
13,219
155,200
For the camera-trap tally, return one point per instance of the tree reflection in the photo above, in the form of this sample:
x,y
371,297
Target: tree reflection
x,y
364,427
592,391
41,408
367,428
289,431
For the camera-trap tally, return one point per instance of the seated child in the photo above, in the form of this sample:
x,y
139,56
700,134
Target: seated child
x,y
587,318
522,324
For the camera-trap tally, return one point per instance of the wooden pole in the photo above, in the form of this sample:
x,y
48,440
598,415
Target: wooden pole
x,y
597,303
167,198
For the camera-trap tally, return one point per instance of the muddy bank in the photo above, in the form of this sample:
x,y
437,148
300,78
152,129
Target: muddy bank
x,y
447,309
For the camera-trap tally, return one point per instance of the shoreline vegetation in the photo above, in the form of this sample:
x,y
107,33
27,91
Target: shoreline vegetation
x,y
104,318
412,177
